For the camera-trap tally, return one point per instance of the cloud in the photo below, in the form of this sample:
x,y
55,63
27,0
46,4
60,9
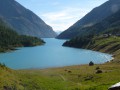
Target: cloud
x,y
61,20
61,14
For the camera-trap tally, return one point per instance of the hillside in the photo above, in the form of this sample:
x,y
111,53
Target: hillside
x,y
96,36
24,21
110,25
9,39
109,44
95,16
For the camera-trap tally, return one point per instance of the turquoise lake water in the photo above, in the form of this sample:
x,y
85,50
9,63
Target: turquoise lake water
x,y
52,54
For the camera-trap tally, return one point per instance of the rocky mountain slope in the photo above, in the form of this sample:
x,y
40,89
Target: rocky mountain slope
x,y
110,26
24,21
9,39
95,16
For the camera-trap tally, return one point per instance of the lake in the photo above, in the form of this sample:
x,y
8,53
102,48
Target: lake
x,y
52,54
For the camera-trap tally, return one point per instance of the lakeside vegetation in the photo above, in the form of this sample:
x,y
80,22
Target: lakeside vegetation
x,y
110,44
9,39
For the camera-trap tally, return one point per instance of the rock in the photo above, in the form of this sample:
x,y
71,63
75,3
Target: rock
x,y
115,87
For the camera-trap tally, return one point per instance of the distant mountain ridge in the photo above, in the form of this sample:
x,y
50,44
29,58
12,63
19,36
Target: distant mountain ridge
x,y
24,21
110,23
95,16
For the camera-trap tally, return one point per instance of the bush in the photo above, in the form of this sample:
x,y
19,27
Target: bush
x,y
97,68
91,63
2,65
98,71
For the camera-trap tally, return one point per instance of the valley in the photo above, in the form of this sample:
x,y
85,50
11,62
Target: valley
x,y
85,56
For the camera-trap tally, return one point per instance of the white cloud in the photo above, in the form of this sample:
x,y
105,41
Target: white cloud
x,y
61,20
61,14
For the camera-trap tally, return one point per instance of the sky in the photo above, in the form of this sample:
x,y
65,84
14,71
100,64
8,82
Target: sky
x,y
60,14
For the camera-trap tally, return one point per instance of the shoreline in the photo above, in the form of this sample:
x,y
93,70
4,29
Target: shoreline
x,y
105,61
81,76
65,66
112,58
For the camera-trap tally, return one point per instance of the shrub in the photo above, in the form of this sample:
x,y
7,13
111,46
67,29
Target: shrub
x,y
91,63
69,71
98,71
97,68
2,65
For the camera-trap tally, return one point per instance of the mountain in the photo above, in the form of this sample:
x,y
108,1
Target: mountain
x,y
9,39
110,25
24,21
96,15
104,34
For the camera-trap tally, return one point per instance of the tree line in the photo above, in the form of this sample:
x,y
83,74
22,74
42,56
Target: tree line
x,y
9,39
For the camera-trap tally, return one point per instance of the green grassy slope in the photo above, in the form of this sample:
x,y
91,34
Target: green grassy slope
x,y
82,77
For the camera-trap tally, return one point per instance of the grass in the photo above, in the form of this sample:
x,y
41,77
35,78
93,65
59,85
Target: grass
x,y
81,77
107,44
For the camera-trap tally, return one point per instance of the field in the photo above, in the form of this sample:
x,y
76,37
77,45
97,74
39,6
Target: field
x,y
81,77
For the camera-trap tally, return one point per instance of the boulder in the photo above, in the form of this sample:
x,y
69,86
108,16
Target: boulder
x,y
115,87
